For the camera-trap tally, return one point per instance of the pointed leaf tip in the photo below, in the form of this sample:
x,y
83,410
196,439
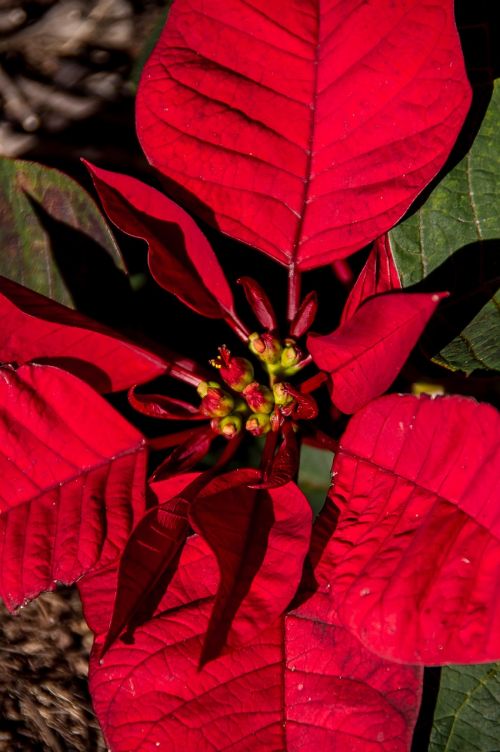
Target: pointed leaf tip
x,y
365,354
180,257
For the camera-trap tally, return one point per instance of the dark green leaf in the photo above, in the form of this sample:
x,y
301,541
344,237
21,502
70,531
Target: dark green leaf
x,y
461,214
148,45
315,475
467,716
29,193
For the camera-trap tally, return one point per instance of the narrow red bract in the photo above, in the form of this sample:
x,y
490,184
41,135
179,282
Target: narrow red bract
x,y
305,129
180,257
259,303
300,684
378,275
365,354
260,539
414,563
163,407
33,327
72,474
150,551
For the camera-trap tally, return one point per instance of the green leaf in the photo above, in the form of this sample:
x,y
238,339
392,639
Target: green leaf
x,y
462,211
315,475
467,715
148,46
29,191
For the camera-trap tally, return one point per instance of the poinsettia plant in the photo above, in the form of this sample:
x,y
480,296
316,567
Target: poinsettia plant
x,y
227,612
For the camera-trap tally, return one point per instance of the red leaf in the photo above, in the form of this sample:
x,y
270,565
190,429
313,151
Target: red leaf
x,y
260,539
72,476
303,684
163,407
415,561
33,327
378,275
180,257
259,303
150,551
187,454
305,130
305,315
365,354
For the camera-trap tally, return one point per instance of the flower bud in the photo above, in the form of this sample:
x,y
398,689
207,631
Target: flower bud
x,y
204,386
266,347
281,393
259,398
236,372
258,424
229,426
291,355
216,403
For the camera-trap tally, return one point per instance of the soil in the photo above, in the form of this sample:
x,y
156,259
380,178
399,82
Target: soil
x,y
44,699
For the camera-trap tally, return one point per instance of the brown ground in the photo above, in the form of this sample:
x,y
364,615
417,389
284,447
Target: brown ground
x,y
44,701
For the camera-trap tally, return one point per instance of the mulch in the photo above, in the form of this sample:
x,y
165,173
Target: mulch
x,y
44,700
68,73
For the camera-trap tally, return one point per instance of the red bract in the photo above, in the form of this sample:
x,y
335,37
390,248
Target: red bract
x,y
301,684
378,275
72,475
180,257
149,554
365,354
413,565
304,129
163,407
33,327
260,539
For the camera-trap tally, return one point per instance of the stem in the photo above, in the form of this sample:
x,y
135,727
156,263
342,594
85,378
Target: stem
x,y
268,453
229,451
310,385
238,327
294,285
177,372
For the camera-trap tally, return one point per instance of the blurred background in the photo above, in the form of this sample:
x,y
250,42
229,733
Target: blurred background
x,y
68,74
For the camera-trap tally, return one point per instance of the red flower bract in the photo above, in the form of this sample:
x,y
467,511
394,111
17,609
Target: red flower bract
x,y
301,684
305,129
224,617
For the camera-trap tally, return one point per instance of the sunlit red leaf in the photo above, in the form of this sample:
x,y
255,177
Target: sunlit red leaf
x,y
72,475
305,129
180,257
33,327
260,539
378,275
414,563
301,684
365,354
